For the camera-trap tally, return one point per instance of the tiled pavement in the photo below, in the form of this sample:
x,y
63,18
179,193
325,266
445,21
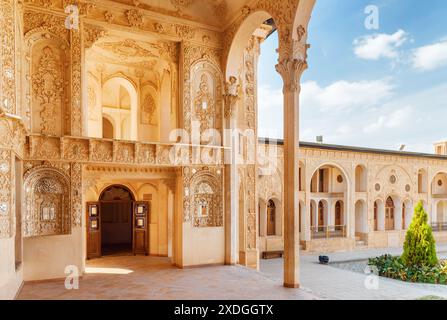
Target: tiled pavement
x,y
328,282
154,278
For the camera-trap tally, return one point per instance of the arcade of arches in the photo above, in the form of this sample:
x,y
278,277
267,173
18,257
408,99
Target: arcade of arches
x,y
114,142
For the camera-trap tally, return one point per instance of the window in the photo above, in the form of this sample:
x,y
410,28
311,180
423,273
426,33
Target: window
x,y
321,180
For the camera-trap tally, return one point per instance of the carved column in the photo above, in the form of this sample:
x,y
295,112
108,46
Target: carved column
x,y
291,70
231,97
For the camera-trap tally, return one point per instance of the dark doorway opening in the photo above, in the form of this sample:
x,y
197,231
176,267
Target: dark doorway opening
x,y
116,220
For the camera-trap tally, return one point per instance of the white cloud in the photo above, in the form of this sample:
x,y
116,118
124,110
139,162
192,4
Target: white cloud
x,y
381,45
344,95
430,57
394,120
270,111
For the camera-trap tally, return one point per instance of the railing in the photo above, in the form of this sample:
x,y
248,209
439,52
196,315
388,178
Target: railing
x,y
93,150
439,226
327,232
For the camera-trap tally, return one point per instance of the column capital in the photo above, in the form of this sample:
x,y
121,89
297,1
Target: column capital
x,y
231,96
291,70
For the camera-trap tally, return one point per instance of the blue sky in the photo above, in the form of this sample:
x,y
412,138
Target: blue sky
x,y
372,88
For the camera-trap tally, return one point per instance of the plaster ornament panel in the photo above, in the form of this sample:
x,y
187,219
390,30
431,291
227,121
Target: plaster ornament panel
x,y
8,57
7,133
47,202
73,115
34,21
148,110
129,48
48,83
182,3
192,56
76,149
6,185
185,32
146,153
202,196
76,194
92,34
134,18
163,154
207,96
44,147
124,152
206,201
101,151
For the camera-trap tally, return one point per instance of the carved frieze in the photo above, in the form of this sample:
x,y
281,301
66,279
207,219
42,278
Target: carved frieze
x,y
146,153
101,151
76,149
124,152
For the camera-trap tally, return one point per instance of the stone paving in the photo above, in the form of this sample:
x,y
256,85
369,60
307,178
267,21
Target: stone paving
x,y
121,278
328,282
155,278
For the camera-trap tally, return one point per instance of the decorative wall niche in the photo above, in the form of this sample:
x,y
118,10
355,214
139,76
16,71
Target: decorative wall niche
x,y
47,200
48,59
206,96
206,199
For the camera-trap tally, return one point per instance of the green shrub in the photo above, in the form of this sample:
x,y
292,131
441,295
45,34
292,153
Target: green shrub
x,y
419,246
393,267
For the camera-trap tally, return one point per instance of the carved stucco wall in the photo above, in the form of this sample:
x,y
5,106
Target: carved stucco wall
x,y
52,75
52,185
202,82
202,196
47,202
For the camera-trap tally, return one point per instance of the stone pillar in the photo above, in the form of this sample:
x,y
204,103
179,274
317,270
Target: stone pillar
x,y
398,217
291,71
171,186
306,219
231,97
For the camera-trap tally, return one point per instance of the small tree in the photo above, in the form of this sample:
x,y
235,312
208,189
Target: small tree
x,y
419,246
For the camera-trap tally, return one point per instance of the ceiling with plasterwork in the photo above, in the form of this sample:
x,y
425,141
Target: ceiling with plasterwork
x,y
212,12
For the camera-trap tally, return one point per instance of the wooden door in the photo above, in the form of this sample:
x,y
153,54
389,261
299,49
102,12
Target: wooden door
x,y
140,243
271,218
93,230
389,214
403,216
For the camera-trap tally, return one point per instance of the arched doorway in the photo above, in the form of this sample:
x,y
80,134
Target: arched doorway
x,y
376,225
117,224
271,218
389,214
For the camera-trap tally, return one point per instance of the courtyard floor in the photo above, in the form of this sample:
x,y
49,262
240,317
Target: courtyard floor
x,y
329,282
128,277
